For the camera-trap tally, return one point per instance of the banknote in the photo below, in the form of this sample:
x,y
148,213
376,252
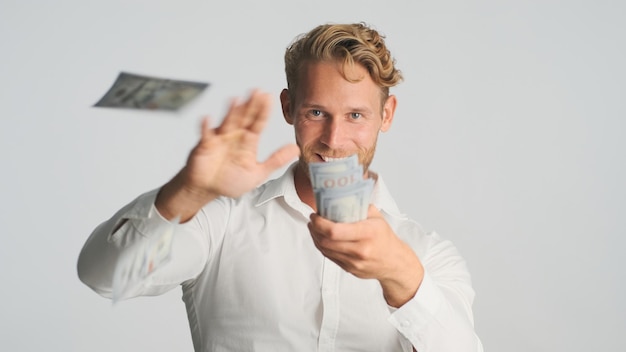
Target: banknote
x,y
341,192
335,167
328,180
135,265
347,204
150,93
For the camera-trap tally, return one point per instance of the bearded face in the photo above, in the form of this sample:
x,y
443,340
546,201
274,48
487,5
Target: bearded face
x,y
335,118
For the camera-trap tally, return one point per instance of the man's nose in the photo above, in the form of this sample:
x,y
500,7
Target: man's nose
x,y
333,134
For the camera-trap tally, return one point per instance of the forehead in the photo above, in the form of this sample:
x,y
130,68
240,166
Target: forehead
x,y
331,81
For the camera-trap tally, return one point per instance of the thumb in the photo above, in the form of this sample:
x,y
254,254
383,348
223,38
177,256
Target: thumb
x,y
281,157
373,212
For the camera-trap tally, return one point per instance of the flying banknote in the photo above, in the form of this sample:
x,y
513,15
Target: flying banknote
x,y
150,93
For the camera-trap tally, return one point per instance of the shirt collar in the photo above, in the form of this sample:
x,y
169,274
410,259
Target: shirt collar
x,y
284,186
382,199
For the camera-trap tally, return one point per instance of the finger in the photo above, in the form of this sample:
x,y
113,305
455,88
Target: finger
x,y
320,224
333,248
373,212
342,253
335,255
255,108
244,113
206,132
252,114
323,243
230,120
280,158
338,258
259,113
334,230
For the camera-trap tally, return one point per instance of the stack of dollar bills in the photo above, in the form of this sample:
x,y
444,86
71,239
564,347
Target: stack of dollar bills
x,y
341,192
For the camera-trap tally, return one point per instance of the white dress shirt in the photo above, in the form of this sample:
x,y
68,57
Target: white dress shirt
x,y
253,280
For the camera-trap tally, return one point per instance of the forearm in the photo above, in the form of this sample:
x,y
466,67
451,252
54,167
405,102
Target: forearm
x,y
439,317
177,200
434,321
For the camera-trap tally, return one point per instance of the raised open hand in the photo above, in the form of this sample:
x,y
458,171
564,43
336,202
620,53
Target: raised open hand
x,y
224,162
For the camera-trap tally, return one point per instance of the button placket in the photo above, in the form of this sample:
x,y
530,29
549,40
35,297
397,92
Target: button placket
x,y
330,304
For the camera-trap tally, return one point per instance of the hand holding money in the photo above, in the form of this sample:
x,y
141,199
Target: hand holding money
x,y
355,235
370,249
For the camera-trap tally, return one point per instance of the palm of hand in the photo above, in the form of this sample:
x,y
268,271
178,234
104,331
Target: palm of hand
x,y
224,162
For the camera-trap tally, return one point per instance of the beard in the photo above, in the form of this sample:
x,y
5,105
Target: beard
x,y
310,154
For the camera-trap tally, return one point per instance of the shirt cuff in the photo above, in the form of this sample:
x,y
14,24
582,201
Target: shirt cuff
x,y
412,318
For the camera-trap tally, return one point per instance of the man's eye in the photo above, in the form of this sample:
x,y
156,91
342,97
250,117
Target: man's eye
x,y
355,115
315,113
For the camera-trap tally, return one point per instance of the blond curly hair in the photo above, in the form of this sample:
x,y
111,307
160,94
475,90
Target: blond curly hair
x,y
350,43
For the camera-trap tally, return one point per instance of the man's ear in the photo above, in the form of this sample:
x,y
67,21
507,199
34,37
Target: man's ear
x,y
285,104
389,109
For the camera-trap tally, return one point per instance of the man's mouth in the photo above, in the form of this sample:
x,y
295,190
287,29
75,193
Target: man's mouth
x,y
330,159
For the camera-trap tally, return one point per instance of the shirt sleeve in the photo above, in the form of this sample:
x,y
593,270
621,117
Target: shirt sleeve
x,y
134,224
439,317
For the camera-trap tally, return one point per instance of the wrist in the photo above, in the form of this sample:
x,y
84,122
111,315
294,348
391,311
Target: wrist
x,y
403,285
178,198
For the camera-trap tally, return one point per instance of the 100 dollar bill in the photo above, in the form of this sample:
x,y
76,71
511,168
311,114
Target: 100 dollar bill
x,y
341,192
347,204
150,93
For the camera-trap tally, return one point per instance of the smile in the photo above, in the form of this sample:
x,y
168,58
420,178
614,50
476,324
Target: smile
x,y
329,159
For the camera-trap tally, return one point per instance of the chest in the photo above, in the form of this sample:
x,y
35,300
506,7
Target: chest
x,y
268,279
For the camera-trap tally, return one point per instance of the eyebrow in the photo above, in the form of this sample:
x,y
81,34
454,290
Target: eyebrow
x,y
312,106
320,107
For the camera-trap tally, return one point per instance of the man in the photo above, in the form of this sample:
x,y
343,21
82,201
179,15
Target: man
x,y
260,270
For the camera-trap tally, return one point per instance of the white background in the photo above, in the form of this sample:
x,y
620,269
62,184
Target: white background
x,y
508,140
